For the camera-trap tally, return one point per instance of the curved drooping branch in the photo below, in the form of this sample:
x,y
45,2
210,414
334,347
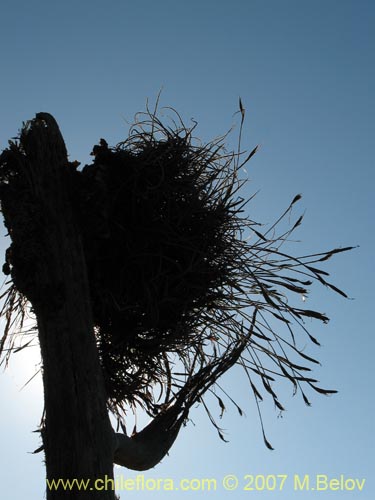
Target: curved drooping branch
x,y
145,449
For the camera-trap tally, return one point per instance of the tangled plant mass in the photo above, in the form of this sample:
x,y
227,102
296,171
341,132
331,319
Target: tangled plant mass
x,y
183,284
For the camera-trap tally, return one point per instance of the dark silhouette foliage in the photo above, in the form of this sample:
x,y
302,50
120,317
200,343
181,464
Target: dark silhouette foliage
x,y
183,284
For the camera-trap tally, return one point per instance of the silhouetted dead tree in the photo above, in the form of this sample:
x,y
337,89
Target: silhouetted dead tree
x,y
148,282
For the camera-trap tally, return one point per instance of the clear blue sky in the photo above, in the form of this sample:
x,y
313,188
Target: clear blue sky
x,y
305,72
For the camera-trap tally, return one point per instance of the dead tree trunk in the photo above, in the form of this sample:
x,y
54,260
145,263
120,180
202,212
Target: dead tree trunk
x,y
49,268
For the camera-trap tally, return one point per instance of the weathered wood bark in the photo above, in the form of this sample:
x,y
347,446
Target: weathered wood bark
x,y
78,438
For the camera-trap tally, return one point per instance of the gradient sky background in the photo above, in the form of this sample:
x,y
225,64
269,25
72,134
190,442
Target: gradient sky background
x,y
305,73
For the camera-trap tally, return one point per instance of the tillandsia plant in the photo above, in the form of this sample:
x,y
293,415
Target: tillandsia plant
x,y
182,284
